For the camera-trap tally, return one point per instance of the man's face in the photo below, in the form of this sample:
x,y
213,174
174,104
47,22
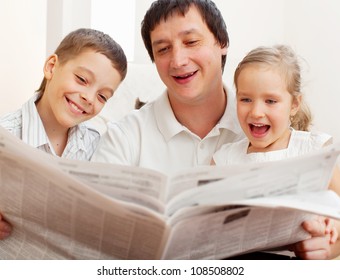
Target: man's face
x,y
187,57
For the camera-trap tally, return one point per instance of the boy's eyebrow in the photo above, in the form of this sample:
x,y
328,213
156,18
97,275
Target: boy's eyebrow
x,y
86,70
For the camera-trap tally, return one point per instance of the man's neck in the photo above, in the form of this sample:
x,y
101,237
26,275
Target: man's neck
x,y
201,118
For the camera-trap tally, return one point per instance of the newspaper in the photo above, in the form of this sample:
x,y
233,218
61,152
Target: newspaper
x,y
66,209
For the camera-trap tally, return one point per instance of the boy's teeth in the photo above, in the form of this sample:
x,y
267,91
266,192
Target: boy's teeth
x,y
76,108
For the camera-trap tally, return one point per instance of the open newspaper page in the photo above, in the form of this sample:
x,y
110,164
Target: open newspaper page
x,y
311,172
56,216
64,209
246,225
261,207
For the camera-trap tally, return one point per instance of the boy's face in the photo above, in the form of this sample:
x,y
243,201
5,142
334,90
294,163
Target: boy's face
x,y
187,57
78,89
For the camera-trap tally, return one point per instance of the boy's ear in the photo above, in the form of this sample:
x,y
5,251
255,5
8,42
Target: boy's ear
x,y
295,105
50,65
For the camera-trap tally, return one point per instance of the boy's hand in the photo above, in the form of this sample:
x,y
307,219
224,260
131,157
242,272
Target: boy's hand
x,y
5,228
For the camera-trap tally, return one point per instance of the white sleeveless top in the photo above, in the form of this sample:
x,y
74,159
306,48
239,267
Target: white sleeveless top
x,y
301,142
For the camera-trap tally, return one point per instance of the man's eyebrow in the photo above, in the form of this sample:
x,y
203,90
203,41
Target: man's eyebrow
x,y
182,33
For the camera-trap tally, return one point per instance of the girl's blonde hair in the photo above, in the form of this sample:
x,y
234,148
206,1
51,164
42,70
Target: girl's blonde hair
x,y
283,58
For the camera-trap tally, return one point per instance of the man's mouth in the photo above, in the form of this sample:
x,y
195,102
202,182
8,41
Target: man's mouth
x,y
185,76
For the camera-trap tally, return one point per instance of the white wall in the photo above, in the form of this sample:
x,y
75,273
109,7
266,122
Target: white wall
x,y
312,27
22,50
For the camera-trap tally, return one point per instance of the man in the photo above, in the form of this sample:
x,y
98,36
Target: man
x,y
188,42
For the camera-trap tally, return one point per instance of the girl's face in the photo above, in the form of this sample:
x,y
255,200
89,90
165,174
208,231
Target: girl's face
x,y
77,90
264,107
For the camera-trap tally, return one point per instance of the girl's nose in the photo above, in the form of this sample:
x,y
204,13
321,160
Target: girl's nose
x,y
257,111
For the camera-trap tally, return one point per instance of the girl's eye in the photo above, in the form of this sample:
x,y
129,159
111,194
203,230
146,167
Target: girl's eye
x,y
102,98
271,101
245,100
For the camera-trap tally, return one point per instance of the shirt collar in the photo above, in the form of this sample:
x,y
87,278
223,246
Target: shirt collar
x,y
229,119
165,118
78,136
169,125
33,131
34,134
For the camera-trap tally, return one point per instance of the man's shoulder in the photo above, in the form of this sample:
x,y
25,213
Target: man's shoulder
x,y
138,116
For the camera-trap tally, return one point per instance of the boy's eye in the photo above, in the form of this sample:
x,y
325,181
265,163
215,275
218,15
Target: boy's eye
x,y
102,97
81,79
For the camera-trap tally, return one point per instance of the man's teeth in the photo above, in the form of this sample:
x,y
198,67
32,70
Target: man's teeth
x,y
185,76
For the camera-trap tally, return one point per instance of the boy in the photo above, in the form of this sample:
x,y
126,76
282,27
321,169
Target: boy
x,y
79,78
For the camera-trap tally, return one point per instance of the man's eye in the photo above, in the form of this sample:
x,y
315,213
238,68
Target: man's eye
x,y
162,50
192,43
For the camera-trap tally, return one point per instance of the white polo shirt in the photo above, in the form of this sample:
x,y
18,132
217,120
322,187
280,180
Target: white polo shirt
x,y
153,138
26,124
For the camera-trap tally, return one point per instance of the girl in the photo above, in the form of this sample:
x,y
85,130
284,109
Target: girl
x,y
276,121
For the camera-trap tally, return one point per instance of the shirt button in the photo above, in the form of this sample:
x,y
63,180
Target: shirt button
x,y
201,146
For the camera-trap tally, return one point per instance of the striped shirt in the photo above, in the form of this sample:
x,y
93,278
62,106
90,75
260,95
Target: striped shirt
x,y
26,124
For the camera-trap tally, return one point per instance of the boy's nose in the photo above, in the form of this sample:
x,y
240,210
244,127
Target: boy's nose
x,y
89,97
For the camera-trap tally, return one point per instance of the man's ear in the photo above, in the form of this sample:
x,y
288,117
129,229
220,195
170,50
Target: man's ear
x,y
224,50
50,65
296,105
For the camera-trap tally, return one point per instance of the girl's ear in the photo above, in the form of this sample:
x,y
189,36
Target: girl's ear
x,y
50,65
295,105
